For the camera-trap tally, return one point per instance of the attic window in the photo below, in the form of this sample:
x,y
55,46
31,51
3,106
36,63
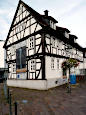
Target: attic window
x,y
85,54
66,34
74,40
52,25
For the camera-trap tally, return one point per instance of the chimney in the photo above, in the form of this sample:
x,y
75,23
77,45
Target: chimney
x,y
46,12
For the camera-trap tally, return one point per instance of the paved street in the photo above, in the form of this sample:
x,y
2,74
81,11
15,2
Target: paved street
x,y
55,101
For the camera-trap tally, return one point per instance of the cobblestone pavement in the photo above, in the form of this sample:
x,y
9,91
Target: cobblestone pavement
x,y
4,107
55,101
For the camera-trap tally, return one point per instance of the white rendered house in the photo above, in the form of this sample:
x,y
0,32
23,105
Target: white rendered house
x,y
3,65
36,48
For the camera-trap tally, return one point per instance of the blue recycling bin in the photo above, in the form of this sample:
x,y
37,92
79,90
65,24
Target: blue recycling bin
x,y
72,79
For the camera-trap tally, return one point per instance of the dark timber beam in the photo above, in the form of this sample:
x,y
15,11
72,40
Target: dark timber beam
x,y
22,39
43,58
27,70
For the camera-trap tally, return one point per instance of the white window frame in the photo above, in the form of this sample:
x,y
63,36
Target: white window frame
x,y
53,42
57,63
52,63
32,65
31,44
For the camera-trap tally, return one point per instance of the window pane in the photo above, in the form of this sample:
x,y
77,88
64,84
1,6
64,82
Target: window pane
x,y
21,58
17,59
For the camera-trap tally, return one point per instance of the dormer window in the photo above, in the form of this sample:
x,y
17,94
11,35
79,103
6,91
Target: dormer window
x,y
74,40
52,25
66,34
85,54
55,26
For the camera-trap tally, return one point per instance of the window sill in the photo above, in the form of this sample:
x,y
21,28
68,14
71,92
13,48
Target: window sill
x,y
21,70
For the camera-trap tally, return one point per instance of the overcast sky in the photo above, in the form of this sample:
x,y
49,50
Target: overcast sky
x,y
70,14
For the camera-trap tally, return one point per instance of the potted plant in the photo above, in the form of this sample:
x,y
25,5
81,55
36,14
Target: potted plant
x,y
67,65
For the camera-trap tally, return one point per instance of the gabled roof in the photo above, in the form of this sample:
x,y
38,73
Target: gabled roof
x,y
50,18
61,37
41,19
73,36
62,29
35,14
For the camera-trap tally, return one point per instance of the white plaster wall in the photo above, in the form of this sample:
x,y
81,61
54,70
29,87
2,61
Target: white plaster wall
x,y
53,82
84,65
53,73
81,65
38,27
19,45
36,84
31,84
33,20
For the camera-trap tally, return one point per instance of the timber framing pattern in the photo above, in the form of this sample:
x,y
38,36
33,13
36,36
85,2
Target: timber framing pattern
x,y
30,29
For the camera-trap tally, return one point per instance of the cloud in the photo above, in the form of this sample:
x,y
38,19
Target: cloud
x,y
6,16
74,20
5,23
69,13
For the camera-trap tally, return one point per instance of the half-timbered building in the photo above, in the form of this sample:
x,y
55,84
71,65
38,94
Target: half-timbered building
x,y
35,49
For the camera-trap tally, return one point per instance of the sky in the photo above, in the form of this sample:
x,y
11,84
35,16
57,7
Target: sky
x,y
69,14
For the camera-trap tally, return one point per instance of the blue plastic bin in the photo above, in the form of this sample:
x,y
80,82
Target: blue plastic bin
x,y
72,79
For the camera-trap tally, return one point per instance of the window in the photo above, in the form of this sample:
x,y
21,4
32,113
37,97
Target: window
x,y
53,42
85,54
66,34
14,68
54,26
51,24
57,63
31,42
64,72
52,63
21,58
32,65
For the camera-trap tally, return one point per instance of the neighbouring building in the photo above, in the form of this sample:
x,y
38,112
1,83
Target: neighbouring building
x,y
36,48
3,65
